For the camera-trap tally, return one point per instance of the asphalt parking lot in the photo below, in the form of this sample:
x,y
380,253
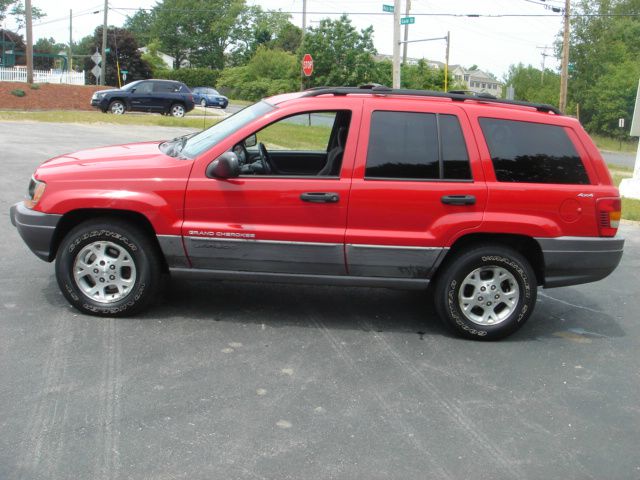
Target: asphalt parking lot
x,y
226,380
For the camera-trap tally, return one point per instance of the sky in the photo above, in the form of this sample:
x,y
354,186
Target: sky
x,y
493,44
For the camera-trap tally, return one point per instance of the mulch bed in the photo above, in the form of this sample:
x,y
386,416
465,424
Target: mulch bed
x,y
48,97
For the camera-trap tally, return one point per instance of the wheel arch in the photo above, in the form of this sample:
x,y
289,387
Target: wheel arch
x,y
75,217
526,246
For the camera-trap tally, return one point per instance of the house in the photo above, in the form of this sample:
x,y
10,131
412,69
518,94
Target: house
x,y
410,61
168,60
476,80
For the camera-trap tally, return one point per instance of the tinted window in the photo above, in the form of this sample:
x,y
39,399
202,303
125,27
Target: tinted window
x,y
144,87
454,151
532,152
405,145
165,87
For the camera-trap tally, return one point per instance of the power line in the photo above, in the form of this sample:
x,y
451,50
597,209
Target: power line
x,y
417,14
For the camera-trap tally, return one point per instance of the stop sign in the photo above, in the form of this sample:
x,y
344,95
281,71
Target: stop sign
x,y
307,64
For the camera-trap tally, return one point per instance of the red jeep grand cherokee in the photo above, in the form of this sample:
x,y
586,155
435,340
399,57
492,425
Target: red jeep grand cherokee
x,y
486,198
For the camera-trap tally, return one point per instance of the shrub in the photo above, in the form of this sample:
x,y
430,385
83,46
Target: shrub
x,y
34,86
192,77
268,73
18,92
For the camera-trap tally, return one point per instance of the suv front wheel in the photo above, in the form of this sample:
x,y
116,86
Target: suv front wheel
x,y
117,107
108,267
486,292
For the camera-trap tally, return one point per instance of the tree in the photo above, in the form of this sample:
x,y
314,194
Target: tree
x,y
603,62
47,46
152,57
197,30
529,85
269,72
140,24
256,27
342,55
123,44
18,12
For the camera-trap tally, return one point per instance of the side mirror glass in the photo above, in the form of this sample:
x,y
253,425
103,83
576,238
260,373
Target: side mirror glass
x,y
251,141
225,166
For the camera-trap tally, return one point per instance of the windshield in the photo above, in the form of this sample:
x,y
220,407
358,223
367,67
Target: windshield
x,y
128,86
206,139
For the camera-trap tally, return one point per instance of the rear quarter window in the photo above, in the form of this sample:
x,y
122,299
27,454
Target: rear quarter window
x,y
529,152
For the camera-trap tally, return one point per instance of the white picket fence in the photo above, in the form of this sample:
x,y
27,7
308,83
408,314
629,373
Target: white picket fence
x,y
42,76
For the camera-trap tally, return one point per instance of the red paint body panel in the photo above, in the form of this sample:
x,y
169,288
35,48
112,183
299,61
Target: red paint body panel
x,y
135,177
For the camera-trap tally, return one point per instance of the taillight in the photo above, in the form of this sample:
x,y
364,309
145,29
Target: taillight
x,y
609,212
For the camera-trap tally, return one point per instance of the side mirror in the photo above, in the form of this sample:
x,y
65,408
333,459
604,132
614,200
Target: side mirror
x,y
133,90
225,166
251,141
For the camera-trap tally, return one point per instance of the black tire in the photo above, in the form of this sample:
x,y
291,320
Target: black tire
x,y
137,264
504,274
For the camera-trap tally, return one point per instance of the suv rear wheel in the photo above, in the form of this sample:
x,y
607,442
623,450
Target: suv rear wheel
x,y
177,110
486,292
108,267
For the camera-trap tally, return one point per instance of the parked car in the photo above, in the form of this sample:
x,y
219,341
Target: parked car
x,y
487,199
209,97
160,96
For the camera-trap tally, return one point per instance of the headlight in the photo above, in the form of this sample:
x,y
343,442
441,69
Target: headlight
x,y
35,192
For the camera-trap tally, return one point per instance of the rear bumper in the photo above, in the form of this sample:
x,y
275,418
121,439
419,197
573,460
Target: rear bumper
x,y
35,228
576,260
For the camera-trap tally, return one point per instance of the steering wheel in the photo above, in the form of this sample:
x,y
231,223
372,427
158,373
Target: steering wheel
x,y
265,160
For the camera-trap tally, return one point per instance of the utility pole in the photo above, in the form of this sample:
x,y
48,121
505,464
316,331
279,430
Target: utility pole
x,y
304,16
304,28
446,64
544,58
564,74
27,8
70,62
406,34
396,44
103,64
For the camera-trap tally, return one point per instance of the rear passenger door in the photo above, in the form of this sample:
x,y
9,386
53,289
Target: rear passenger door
x,y
163,95
417,184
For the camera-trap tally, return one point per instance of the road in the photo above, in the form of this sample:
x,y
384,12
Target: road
x,y
228,380
620,159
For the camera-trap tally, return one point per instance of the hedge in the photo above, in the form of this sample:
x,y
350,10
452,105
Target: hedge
x,y
192,77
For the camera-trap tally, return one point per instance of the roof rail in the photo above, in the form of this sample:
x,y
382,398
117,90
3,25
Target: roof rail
x,y
455,96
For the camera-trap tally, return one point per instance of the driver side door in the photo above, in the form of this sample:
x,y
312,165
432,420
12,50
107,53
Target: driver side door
x,y
287,221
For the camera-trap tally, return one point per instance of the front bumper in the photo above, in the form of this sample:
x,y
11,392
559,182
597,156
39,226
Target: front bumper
x,y
576,260
36,229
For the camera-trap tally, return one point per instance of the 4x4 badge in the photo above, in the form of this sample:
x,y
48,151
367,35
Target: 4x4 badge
x,y
585,195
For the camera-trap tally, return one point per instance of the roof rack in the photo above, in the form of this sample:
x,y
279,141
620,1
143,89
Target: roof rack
x,y
455,96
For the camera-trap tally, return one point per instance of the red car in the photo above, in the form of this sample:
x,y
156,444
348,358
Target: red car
x,y
486,199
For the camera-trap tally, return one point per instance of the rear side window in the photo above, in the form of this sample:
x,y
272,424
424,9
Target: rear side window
x,y
420,146
532,152
166,87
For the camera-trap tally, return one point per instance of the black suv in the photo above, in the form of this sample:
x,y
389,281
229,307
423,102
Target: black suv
x,y
160,96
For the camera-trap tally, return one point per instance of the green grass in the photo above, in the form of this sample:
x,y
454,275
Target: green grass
x,y
629,145
282,135
66,116
630,207
295,137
